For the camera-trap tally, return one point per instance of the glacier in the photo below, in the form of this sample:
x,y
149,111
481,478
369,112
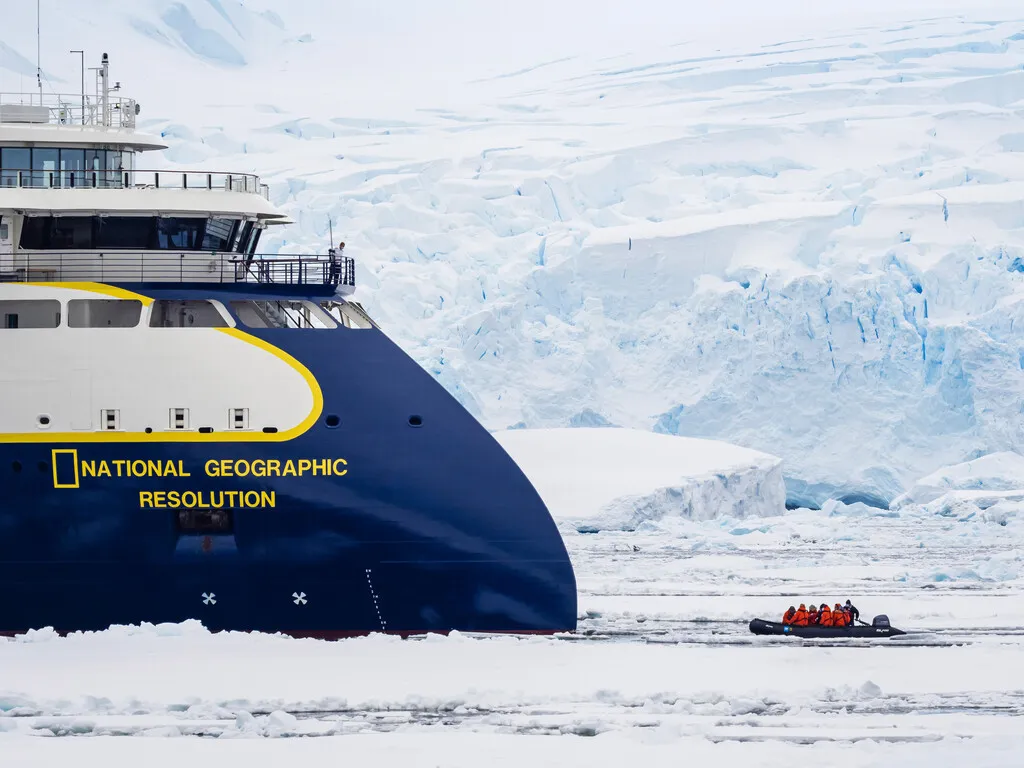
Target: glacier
x,y
801,235
605,479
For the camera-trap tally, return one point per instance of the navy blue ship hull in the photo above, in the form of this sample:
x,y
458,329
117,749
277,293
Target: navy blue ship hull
x,y
431,528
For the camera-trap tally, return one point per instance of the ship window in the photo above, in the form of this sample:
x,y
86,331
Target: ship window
x,y
12,160
186,314
242,232
36,313
101,168
95,159
70,233
347,314
104,313
218,234
72,166
44,168
35,233
178,234
258,314
124,232
254,241
281,313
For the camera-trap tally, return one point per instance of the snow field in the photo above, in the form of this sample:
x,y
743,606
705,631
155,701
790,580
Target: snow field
x,y
662,663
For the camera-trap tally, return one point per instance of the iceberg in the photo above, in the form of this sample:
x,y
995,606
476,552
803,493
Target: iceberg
x,y
599,479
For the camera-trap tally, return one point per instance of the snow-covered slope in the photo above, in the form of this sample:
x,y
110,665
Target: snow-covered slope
x,y
801,234
998,473
619,479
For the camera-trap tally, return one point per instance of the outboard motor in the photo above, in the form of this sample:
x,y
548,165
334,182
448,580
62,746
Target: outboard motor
x,y
880,621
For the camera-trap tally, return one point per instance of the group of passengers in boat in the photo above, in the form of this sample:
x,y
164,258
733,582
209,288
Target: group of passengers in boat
x,y
840,616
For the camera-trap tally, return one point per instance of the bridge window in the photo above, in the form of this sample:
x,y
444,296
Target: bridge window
x,y
132,233
104,313
35,232
178,234
41,313
128,232
218,234
67,232
241,236
186,314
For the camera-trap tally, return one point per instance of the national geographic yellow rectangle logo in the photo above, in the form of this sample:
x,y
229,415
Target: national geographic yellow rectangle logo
x,y
65,467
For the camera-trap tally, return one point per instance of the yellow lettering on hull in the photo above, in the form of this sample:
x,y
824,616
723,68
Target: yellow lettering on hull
x,y
207,499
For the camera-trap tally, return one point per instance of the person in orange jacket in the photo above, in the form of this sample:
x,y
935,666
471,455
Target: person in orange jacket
x,y
800,617
839,617
787,617
825,615
812,615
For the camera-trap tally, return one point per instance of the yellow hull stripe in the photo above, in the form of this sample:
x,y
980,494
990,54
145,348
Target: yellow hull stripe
x,y
101,288
225,436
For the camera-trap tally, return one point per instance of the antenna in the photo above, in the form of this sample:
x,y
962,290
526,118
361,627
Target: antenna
x,y
82,55
39,47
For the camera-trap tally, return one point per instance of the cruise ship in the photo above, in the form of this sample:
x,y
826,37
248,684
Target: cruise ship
x,y
192,429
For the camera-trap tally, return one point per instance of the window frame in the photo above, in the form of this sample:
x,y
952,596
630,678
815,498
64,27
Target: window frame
x,y
4,315
138,320
218,307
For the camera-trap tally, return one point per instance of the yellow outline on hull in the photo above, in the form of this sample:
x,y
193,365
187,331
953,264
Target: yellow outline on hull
x,y
106,290
181,437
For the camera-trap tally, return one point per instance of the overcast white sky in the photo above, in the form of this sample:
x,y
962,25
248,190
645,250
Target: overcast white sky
x,y
519,31
408,52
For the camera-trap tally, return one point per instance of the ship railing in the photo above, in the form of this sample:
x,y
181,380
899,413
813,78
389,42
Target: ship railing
x,y
67,109
179,267
133,179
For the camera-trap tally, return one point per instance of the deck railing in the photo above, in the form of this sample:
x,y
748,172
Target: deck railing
x,y
178,267
133,179
67,109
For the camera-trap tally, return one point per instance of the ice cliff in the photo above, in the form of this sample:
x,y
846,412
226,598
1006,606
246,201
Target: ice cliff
x,y
806,242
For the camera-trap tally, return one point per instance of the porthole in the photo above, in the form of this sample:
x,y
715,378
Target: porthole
x,y
149,430
415,421
206,430
43,466
16,466
270,430
43,420
333,420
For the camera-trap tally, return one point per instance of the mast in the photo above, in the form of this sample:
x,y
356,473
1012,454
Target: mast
x,y
105,94
39,48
